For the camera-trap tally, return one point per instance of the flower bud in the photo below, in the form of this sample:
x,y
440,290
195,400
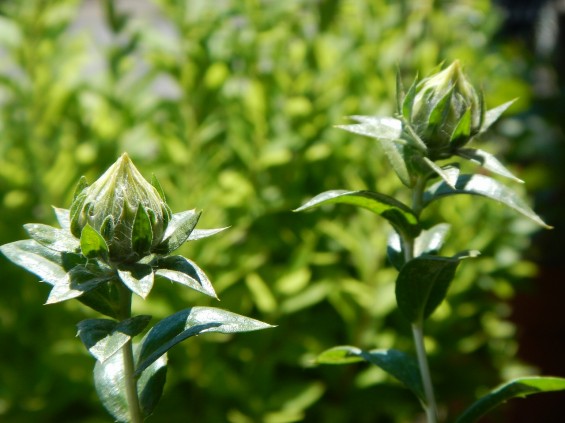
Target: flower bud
x,y
125,209
445,111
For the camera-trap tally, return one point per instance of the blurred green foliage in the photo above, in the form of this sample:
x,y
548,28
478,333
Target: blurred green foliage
x,y
231,105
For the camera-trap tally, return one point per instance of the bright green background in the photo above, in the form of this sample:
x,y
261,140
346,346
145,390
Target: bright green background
x,y
231,104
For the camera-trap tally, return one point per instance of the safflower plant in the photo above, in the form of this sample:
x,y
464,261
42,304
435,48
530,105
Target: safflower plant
x,y
435,120
117,236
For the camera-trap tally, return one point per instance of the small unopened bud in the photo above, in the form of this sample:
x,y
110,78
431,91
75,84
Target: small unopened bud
x,y
446,111
125,209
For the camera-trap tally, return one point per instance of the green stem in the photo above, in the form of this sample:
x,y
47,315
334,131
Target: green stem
x,y
417,328
129,366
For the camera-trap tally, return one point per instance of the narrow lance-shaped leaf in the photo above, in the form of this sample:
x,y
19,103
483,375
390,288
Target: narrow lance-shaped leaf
x,y
142,233
486,187
104,337
517,388
449,174
79,280
187,323
396,363
110,387
398,214
422,284
486,160
138,277
178,231
186,272
63,217
53,238
492,115
204,233
92,244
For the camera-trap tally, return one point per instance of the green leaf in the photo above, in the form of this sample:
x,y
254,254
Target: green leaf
x,y
396,363
204,233
138,277
520,387
178,231
486,187
449,173
462,131
492,115
92,244
157,186
187,323
428,242
53,238
50,265
385,128
63,217
398,214
103,337
104,299
80,279
399,92
422,284
110,386
186,272
409,99
82,184
486,160
142,233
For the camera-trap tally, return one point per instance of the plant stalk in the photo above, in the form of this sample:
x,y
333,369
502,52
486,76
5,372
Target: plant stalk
x,y
407,241
129,366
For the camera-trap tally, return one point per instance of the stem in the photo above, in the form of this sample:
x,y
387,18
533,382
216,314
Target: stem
x,y
129,367
407,241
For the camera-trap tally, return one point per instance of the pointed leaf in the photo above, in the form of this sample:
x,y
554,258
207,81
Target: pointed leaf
x,y
110,386
142,233
76,282
399,93
462,131
486,160
397,213
53,238
204,233
448,173
63,217
82,184
520,388
396,363
409,100
492,115
395,154
137,277
186,272
157,186
486,187
422,284
191,322
50,265
103,337
104,299
92,244
178,231
385,128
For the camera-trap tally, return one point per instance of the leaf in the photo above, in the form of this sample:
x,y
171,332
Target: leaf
x,y
186,272
449,174
187,323
53,238
486,187
204,233
395,155
138,277
104,299
178,231
81,185
63,217
409,99
157,186
520,387
486,160
92,244
142,233
103,337
110,386
462,131
77,281
398,214
428,242
50,265
385,128
492,115
396,363
422,284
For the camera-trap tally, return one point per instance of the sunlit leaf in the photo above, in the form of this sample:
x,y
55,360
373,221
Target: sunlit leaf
x,y
138,277
449,174
142,233
76,282
53,238
63,217
486,160
178,231
492,115
186,272
92,244
398,214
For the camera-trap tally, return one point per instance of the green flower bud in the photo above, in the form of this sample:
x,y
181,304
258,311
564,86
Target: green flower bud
x,y
129,212
444,110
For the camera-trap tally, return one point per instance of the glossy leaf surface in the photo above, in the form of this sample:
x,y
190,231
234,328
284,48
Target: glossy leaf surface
x,y
79,280
486,160
397,213
486,187
186,272
178,231
92,244
141,234
137,277
399,365
191,322
53,238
